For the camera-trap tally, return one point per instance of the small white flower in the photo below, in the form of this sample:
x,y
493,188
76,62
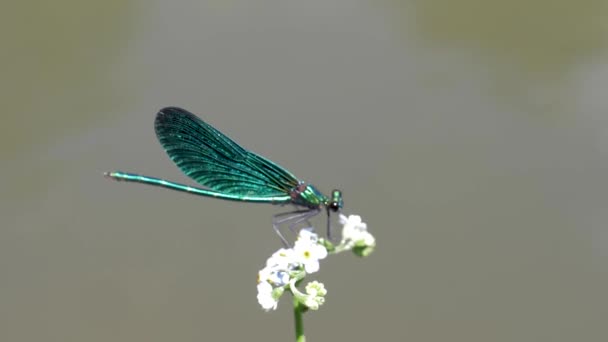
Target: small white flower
x,y
280,278
315,295
353,227
369,239
266,297
282,259
264,274
309,235
274,276
308,251
278,266
355,236
355,231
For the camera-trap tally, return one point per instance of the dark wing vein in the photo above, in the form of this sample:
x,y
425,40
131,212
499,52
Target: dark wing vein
x,y
215,161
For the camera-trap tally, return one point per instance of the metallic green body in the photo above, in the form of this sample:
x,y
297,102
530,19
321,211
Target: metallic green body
x,y
309,197
131,177
227,170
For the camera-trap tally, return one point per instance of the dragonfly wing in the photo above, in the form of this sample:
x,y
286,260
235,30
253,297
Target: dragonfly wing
x,y
215,161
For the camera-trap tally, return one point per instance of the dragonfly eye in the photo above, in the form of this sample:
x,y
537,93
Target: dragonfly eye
x,y
334,206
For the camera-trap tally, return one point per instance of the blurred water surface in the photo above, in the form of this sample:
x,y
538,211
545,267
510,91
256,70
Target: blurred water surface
x,y
472,138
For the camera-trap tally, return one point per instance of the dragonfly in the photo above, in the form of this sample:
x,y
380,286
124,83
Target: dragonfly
x,y
230,172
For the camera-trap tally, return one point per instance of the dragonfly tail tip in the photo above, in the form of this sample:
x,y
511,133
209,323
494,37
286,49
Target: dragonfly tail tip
x,y
109,175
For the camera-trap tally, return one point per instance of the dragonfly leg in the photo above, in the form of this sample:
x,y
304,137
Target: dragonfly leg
x,y
307,221
293,218
296,217
328,227
305,218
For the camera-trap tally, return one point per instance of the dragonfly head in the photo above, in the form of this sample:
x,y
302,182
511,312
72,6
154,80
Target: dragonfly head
x,y
336,203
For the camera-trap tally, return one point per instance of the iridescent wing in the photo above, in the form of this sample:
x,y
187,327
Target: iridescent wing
x,y
215,161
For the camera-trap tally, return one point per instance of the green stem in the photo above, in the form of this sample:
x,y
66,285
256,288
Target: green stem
x,y
298,314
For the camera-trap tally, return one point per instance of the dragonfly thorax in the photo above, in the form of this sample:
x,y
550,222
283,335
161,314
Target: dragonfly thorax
x,y
309,196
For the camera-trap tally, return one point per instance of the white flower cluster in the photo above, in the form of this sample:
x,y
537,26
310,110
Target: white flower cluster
x,y
355,235
288,266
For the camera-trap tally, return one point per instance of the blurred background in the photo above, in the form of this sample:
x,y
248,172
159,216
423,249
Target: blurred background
x,y
471,136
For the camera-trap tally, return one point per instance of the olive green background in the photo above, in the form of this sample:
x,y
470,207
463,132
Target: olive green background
x,y
472,136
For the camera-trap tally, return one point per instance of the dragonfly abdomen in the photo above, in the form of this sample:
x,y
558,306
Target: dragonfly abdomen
x,y
135,178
